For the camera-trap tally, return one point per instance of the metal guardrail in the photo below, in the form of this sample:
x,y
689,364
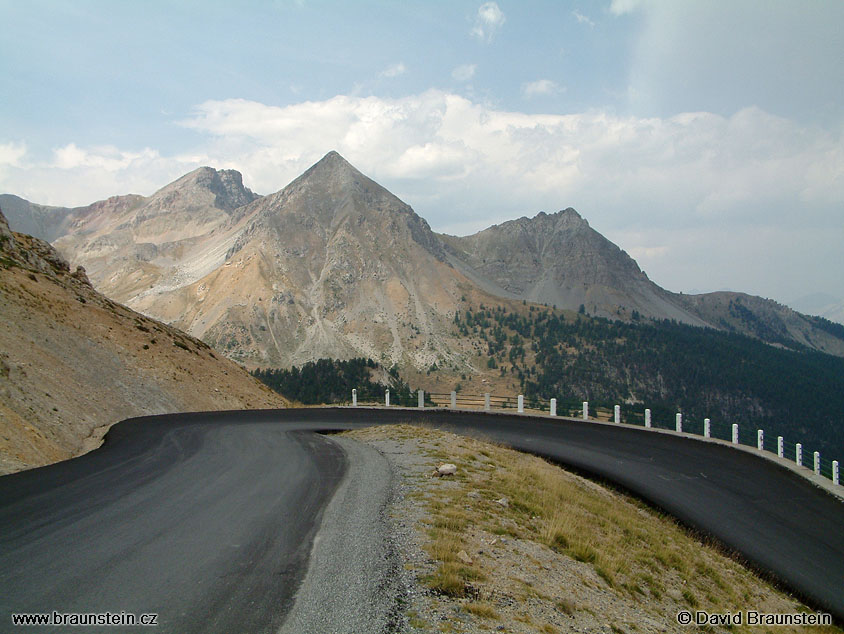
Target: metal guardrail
x,y
732,433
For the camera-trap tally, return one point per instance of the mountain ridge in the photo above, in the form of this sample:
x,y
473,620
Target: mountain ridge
x,y
339,259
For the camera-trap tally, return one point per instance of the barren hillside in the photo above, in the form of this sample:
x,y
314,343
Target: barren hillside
x,y
73,362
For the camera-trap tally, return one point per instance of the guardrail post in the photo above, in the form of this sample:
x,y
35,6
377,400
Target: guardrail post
x,y
780,447
835,479
553,407
798,454
354,398
421,399
817,463
521,404
678,422
647,418
616,414
453,399
707,428
760,439
735,433
585,410
387,397
486,401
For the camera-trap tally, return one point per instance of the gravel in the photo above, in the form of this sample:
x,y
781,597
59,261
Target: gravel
x,y
354,581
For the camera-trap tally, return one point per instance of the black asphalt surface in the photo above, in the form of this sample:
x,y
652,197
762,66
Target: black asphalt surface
x,y
207,519
207,525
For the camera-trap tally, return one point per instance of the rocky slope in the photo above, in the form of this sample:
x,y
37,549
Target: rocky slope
x,y
332,265
72,362
560,260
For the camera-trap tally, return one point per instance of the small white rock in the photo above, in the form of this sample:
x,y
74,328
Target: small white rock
x,y
464,557
446,469
503,502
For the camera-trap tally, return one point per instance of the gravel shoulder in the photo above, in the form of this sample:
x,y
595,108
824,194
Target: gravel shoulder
x,y
352,584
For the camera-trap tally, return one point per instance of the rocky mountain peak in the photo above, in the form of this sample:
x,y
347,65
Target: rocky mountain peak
x,y
203,187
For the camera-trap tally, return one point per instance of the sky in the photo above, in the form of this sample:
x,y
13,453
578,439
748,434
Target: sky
x,y
705,138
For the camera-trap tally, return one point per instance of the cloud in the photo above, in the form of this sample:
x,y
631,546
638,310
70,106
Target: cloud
x,y
488,22
464,72
540,87
11,153
394,70
684,193
623,7
582,19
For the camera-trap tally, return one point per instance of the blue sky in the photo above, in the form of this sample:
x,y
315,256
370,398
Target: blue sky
x,y
705,138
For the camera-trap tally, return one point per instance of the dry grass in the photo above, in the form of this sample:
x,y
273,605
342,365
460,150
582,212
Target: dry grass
x,y
634,551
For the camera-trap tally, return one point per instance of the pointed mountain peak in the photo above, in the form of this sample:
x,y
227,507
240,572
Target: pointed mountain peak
x,y
333,167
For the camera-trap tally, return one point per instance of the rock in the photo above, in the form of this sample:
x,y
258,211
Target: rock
x,y
474,495
503,502
445,469
81,275
464,557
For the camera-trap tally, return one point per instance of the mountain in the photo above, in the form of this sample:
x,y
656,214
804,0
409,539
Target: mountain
x,y
766,320
560,260
72,362
129,244
334,265
331,265
41,221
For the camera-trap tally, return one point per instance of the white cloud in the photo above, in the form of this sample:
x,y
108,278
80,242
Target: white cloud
x,y
540,87
623,7
11,154
684,193
488,22
582,19
394,70
464,72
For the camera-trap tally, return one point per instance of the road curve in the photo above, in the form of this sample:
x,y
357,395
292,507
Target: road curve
x,y
207,525
778,521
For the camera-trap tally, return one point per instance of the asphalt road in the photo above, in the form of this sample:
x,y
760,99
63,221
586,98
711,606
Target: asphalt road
x,y
207,518
208,526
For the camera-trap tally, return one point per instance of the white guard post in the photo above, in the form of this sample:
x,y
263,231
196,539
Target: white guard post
x,y
553,407
678,422
421,399
453,400
486,401
521,404
387,397
647,418
616,413
707,428
354,398
585,410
